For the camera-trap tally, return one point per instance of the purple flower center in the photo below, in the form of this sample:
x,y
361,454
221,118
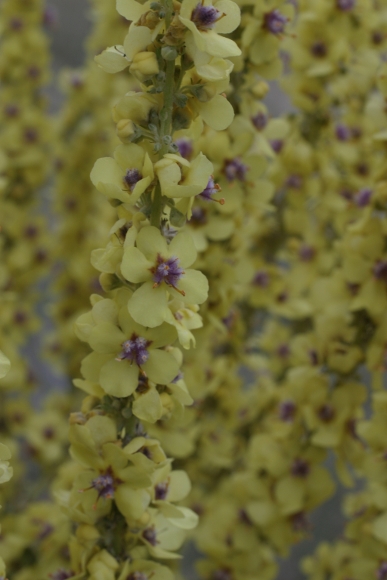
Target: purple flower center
x,y
11,110
132,177
275,22
299,522
363,198
259,121
150,535
135,350
205,17
185,147
306,253
104,484
137,576
221,575
294,181
300,468
313,357
287,410
31,135
380,270
76,81
16,23
326,413
276,145
210,190
235,169
198,218
283,351
319,49
377,37
34,72
50,16
261,279
167,271
61,574
382,571
161,490
345,5
343,133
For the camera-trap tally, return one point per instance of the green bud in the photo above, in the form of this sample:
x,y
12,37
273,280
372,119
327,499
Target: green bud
x,y
169,53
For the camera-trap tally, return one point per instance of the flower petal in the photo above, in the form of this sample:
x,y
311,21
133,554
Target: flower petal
x,y
195,286
183,246
106,338
217,113
119,378
132,10
135,267
112,60
148,305
161,367
231,19
150,242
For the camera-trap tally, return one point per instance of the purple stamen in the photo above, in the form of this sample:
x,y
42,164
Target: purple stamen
x,y
137,576
221,575
161,490
382,571
11,110
61,574
306,253
300,522
135,350
205,17
326,413
283,351
300,468
185,147
345,5
319,49
167,271
210,190
259,121
104,484
275,22
16,23
235,169
377,37
198,217
294,181
50,17
363,198
287,410
313,357
34,72
343,133
277,145
380,270
31,135
150,535
132,177
261,279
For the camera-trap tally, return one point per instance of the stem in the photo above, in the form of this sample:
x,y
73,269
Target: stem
x,y
165,130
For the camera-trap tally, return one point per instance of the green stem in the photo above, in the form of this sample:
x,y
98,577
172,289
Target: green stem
x,y
165,131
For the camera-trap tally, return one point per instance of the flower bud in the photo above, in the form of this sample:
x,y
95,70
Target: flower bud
x,y
169,53
144,65
125,129
260,89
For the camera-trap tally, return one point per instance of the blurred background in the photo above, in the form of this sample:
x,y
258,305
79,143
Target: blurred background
x,y
73,24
